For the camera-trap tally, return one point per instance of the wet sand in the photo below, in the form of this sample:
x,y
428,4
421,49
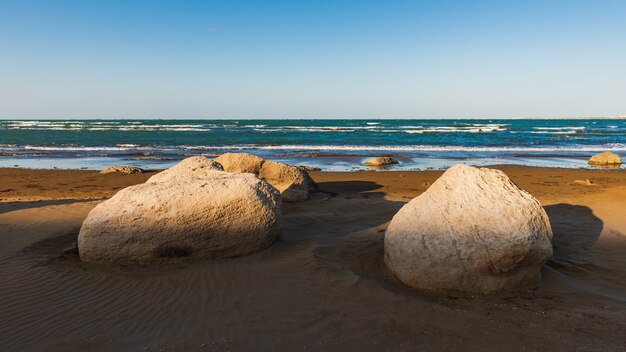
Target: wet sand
x,y
322,285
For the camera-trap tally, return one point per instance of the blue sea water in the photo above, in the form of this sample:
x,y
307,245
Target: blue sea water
x,y
329,144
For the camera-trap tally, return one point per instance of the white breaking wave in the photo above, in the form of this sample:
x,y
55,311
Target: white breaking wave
x,y
79,148
100,126
473,128
576,128
553,132
423,148
391,148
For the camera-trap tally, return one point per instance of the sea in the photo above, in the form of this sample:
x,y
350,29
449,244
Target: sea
x,y
331,145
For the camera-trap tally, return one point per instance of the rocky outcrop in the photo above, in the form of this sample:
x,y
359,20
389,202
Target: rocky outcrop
x,y
380,161
241,162
472,230
193,167
211,214
122,170
606,158
293,182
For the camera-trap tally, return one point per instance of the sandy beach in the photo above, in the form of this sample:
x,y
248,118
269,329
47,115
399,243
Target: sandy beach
x,y
323,285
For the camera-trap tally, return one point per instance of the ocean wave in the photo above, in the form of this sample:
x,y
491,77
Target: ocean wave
x,y
101,126
379,148
575,128
423,148
90,149
553,132
326,128
473,128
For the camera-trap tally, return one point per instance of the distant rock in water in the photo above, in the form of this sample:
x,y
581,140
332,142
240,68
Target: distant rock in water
x,y
473,230
191,210
380,161
293,182
122,170
606,158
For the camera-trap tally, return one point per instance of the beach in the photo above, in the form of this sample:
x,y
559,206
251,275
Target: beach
x,y
322,285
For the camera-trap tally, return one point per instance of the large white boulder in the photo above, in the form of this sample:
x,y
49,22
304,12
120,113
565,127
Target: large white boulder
x,y
472,230
222,215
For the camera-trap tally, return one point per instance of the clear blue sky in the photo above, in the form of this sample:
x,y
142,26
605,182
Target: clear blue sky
x,y
327,59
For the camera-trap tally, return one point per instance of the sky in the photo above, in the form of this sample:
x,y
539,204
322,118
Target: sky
x,y
312,59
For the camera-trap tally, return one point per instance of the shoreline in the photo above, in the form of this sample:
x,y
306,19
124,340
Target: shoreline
x,y
26,184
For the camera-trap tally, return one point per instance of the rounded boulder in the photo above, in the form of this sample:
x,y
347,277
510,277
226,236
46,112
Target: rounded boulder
x,y
606,158
473,230
226,215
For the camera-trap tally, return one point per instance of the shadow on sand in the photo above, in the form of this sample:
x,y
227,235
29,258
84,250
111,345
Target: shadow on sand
x,y
6,207
575,230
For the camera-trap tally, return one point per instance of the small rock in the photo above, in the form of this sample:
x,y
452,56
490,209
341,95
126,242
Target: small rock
x,y
240,162
586,182
382,160
192,167
72,249
293,182
122,170
308,168
606,158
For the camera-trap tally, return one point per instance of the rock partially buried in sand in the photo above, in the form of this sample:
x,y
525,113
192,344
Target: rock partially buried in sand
x,y
293,182
380,161
606,158
224,215
586,182
308,168
122,170
193,167
473,230
241,162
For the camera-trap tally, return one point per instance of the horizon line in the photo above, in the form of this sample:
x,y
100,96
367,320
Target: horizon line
x,y
620,117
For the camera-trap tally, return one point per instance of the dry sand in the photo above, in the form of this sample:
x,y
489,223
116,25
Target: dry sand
x,y
322,286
